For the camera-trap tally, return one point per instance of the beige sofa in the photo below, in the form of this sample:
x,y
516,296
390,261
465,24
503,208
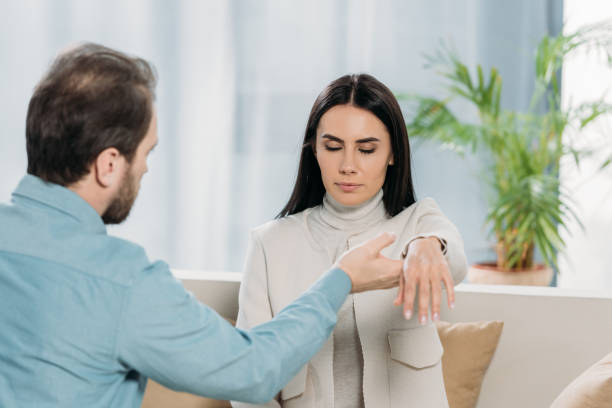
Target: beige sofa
x,y
550,336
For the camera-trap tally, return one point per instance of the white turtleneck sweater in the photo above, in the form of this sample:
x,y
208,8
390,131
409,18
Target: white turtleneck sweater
x,y
332,224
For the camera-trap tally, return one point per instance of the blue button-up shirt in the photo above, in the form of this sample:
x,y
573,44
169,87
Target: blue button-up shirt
x,y
85,317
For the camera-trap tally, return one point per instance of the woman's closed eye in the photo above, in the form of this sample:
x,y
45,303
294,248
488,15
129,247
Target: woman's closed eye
x,y
367,148
332,148
362,150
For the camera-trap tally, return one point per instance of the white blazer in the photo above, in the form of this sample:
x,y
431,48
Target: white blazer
x,y
401,358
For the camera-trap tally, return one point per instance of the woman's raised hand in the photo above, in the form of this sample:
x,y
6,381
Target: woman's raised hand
x,y
424,270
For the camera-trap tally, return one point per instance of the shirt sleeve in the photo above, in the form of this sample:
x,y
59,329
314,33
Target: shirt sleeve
x,y
254,301
431,222
167,335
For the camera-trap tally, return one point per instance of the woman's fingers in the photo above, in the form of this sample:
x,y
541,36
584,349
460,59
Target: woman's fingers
x,y
450,288
425,272
436,295
409,292
424,288
399,299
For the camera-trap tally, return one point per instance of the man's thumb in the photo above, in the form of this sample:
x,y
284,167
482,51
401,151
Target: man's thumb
x,y
381,241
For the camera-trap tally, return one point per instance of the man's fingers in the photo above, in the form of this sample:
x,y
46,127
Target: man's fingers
x,y
382,241
393,266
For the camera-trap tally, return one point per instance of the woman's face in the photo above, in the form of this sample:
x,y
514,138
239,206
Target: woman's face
x,y
353,149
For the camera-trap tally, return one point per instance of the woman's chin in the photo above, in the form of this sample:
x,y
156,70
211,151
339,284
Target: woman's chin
x,y
350,198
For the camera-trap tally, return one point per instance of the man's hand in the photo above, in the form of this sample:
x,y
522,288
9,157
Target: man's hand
x,y
367,268
425,269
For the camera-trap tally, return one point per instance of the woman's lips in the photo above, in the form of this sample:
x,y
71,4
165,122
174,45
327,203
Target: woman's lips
x,y
348,187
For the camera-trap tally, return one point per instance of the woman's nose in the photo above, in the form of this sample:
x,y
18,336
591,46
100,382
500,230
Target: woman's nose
x,y
347,166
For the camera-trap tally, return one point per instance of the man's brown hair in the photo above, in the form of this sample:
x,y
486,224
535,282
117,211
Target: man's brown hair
x,y
92,98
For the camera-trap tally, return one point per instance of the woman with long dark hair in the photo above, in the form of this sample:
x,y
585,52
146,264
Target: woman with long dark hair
x,y
354,181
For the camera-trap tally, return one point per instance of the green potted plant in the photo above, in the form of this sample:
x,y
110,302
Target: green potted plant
x,y
527,206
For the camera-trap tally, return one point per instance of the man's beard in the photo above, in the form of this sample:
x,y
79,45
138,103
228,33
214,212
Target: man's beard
x,y
120,207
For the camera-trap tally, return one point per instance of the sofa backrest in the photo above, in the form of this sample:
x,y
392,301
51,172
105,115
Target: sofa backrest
x,y
550,335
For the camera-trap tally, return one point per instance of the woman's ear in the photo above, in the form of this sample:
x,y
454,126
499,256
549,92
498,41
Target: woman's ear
x,y
391,162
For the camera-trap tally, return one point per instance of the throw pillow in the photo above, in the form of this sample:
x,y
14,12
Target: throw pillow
x,y
158,396
468,349
591,389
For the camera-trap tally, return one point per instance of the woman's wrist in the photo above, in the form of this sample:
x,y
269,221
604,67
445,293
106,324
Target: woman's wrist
x,y
431,238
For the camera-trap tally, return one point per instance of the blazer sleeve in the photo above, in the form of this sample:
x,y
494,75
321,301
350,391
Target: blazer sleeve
x,y
254,301
432,222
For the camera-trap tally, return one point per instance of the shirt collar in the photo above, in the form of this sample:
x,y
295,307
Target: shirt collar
x,y
60,198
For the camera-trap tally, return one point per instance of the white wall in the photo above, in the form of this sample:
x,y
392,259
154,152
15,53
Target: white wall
x,y
587,261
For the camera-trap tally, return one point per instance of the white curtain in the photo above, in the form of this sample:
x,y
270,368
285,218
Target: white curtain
x,y
237,81
182,211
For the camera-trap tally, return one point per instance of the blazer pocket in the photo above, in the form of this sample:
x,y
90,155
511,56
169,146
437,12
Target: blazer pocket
x,y
417,347
296,386
415,368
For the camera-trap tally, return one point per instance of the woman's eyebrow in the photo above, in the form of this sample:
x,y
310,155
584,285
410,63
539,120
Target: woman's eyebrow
x,y
332,138
337,139
368,140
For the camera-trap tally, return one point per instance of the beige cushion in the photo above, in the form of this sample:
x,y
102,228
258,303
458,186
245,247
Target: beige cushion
x,y
158,396
591,389
468,349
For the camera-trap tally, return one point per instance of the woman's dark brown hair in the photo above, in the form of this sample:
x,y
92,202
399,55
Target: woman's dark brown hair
x,y
92,98
366,92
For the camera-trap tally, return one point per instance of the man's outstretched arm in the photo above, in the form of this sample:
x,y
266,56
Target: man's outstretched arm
x,y
167,335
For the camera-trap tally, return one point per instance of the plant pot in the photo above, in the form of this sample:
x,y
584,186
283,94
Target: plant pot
x,y
489,273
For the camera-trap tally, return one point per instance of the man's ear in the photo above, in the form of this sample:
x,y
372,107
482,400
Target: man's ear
x,y
108,167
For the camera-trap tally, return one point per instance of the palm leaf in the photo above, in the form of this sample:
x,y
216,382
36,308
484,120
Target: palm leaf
x,y
527,205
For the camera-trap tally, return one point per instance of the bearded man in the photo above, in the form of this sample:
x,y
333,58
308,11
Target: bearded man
x,y
86,318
